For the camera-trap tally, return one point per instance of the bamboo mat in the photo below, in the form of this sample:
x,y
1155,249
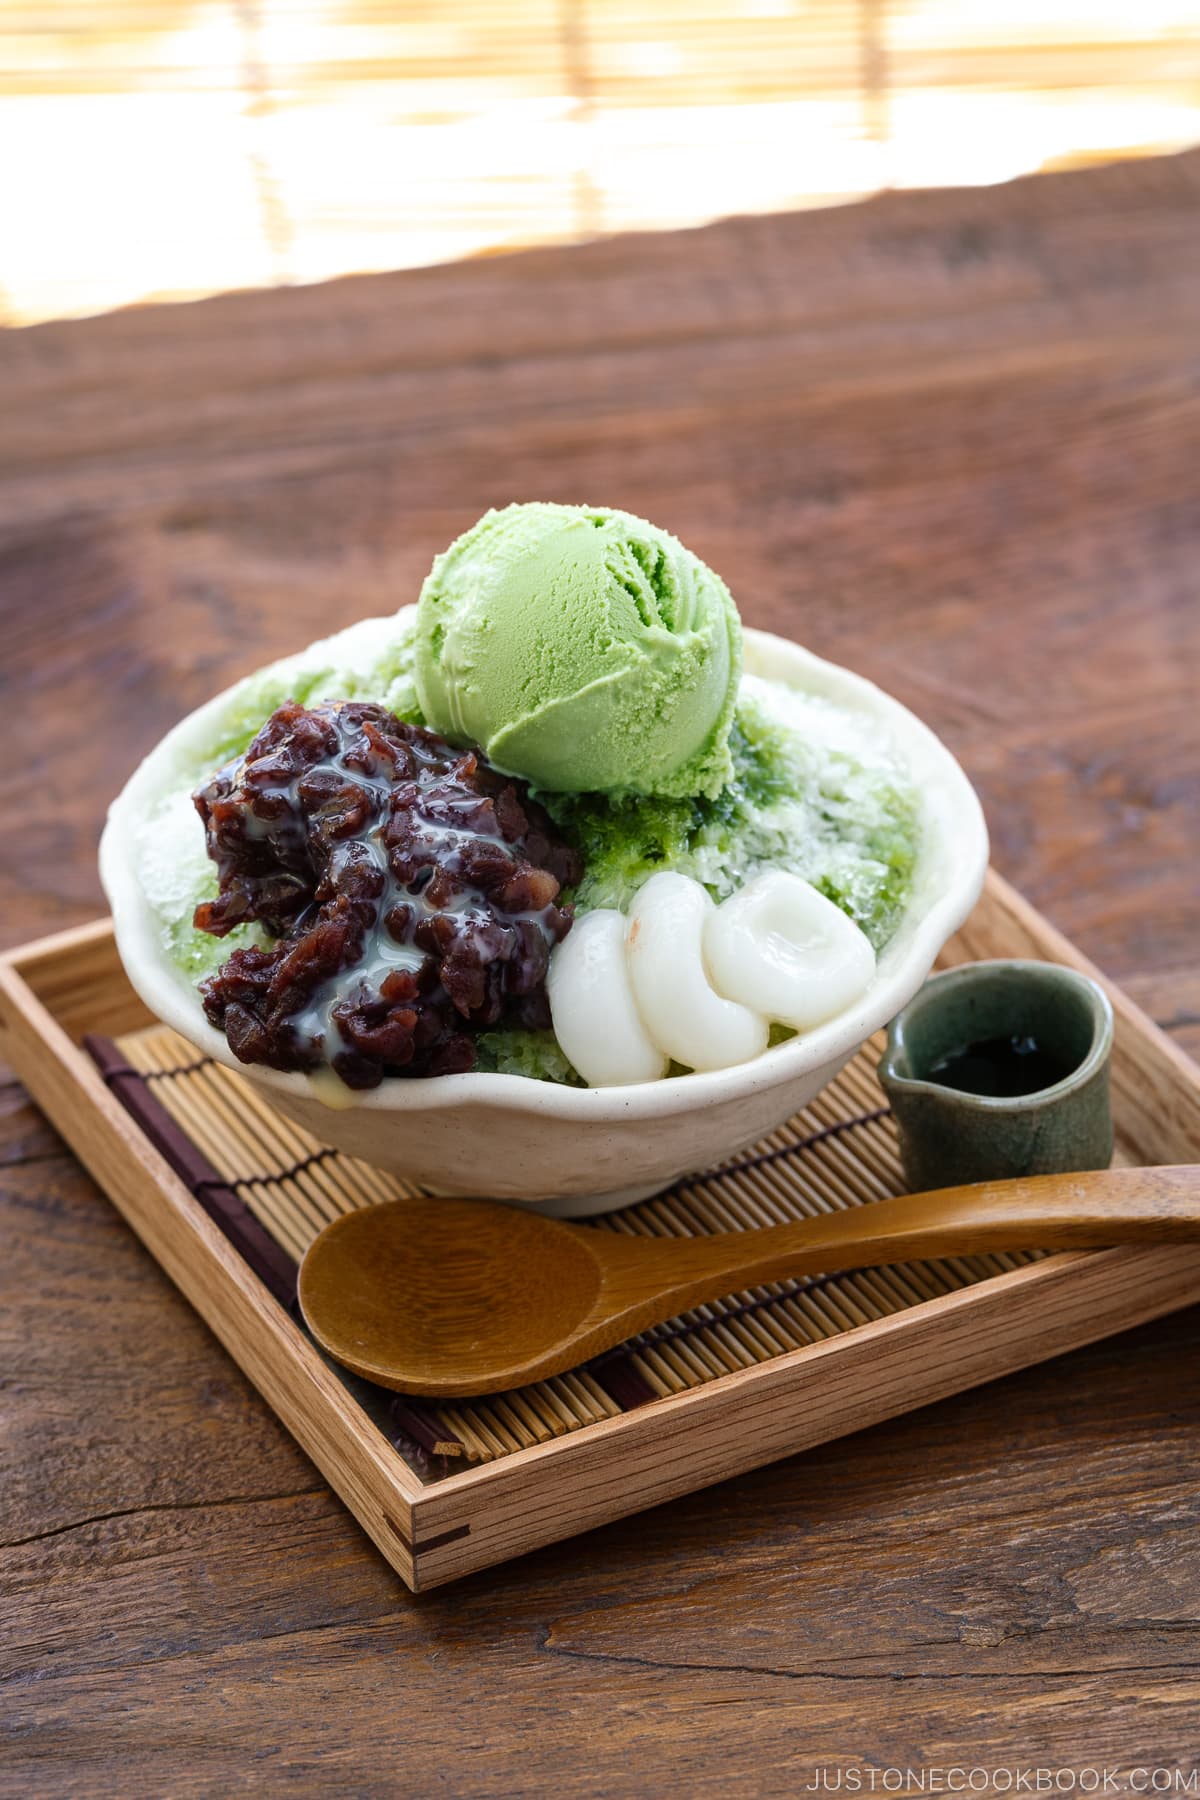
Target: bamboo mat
x,y
285,1186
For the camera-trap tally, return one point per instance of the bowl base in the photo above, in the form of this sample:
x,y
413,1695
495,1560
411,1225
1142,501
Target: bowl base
x,y
581,1206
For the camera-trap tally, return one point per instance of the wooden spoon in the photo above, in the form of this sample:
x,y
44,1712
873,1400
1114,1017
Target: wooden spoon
x,y
450,1297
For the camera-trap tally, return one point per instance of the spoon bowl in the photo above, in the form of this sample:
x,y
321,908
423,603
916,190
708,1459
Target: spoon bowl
x,y
405,1291
450,1298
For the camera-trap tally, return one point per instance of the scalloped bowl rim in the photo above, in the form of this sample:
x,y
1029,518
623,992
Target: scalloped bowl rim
x,y
953,833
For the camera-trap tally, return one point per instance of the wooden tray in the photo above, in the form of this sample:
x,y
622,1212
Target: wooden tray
x,y
224,1189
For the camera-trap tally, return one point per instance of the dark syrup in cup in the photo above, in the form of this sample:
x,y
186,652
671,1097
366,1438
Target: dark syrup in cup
x,y
1003,1068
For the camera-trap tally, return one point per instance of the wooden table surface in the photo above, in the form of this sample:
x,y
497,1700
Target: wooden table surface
x,y
952,439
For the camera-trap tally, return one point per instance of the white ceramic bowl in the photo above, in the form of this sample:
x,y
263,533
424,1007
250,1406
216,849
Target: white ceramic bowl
x,y
568,1151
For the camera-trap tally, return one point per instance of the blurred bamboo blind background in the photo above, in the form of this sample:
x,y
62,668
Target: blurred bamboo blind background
x,y
166,148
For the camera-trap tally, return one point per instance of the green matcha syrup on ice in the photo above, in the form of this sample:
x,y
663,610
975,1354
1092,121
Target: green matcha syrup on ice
x,y
594,658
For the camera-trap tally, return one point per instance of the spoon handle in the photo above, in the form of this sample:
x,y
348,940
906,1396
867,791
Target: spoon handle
x,y
1085,1211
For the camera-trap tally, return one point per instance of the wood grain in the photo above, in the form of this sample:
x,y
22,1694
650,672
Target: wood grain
x,y
950,438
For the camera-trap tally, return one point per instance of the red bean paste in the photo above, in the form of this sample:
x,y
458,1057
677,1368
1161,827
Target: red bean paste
x,y
412,888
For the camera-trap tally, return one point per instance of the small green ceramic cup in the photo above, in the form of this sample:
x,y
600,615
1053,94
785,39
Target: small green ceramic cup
x,y
947,1136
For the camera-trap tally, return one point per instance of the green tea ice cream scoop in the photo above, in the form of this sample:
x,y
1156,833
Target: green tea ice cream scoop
x,y
583,649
